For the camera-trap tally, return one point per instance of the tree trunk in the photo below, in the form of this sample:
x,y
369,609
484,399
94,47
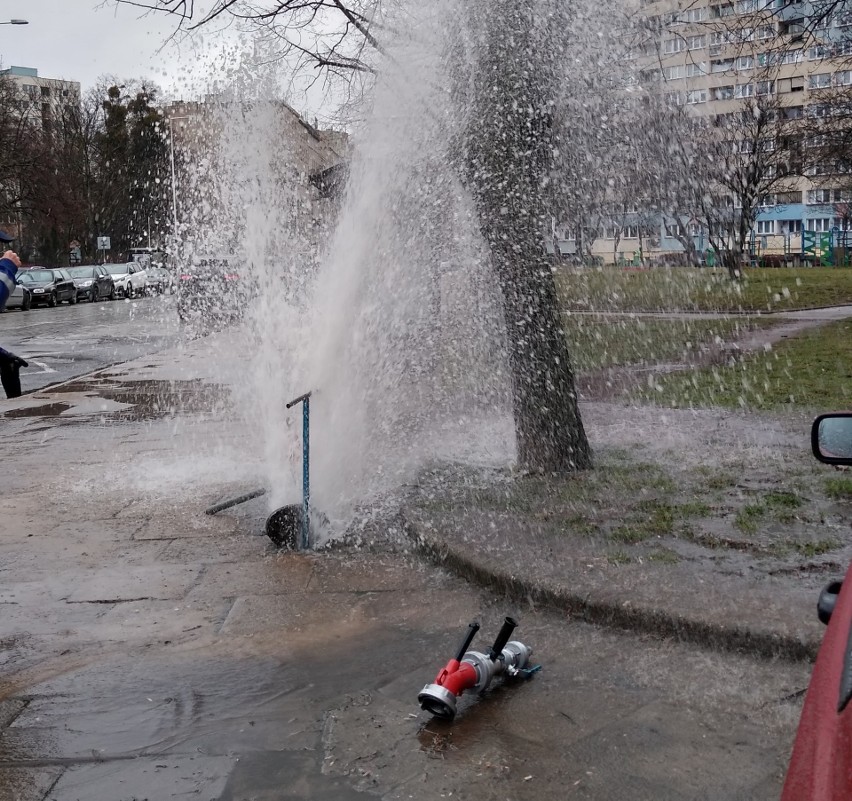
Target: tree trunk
x,y
731,261
508,156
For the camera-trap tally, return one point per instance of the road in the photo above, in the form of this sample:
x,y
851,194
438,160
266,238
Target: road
x,y
69,341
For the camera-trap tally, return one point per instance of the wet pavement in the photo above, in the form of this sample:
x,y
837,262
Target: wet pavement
x,y
150,651
69,341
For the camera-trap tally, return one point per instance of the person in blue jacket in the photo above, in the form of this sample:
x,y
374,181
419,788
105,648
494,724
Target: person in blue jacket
x,y
10,364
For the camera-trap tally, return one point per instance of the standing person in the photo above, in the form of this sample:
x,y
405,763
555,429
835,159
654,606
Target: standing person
x,y
10,364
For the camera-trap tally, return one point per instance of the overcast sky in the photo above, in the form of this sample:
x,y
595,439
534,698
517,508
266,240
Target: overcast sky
x,y
81,40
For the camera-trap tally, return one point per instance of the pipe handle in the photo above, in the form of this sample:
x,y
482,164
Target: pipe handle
x,y
468,639
509,625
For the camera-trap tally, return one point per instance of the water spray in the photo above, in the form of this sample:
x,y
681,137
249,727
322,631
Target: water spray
x,y
472,670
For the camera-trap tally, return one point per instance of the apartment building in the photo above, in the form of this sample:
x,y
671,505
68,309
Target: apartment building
x,y
711,56
44,100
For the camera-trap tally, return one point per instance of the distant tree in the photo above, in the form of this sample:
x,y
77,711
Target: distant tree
x,y
131,166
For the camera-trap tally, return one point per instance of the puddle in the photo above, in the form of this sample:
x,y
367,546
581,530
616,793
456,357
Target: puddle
x,y
140,400
45,410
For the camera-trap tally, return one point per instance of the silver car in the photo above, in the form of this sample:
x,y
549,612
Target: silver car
x,y
21,298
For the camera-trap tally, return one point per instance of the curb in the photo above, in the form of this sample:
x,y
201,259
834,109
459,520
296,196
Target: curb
x,y
624,617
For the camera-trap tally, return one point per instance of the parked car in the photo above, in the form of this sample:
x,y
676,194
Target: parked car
x,y
821,765
50,286
211,292
160,281
21,298
129,279
93,282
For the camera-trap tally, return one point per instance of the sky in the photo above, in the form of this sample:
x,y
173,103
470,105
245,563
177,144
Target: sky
x,y
80,40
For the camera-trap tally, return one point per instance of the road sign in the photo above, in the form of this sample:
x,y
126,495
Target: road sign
x,y
103,243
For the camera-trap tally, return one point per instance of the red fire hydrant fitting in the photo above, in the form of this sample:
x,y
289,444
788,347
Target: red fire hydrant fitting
x,y
472,670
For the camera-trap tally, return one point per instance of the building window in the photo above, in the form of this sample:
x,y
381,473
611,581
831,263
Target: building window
x,y
765,87
744,90
45,91
722,10
723,93
843,78
745,63
794,226
765,227
630,232
30,90
676,45
693,14
765,32
819,81
695,69
696,96
819,224
768,201
674,72
721,65
696,42
817,110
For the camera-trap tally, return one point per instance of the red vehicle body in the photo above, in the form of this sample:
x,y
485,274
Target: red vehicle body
x,y
821,765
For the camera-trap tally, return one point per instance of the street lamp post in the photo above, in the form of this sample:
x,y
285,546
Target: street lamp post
x,y
172,153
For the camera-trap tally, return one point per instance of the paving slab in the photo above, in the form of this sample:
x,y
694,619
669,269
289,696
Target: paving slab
x,y
110,585
195,776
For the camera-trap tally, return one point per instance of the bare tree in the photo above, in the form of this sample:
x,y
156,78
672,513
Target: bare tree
x,y
749,154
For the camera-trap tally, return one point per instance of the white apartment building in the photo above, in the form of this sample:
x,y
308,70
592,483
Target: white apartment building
x,y
713,54
45,98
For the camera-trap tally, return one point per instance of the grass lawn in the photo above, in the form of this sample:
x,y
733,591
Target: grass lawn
x,y
604,341
689,289
813,370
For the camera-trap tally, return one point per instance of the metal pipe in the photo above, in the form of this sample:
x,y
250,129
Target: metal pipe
x,y
505,632
306,471
467,640
247,496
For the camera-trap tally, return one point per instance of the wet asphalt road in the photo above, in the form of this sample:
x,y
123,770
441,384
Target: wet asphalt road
x,y
69,341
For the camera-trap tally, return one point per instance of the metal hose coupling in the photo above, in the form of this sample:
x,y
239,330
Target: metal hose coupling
x,y
472,670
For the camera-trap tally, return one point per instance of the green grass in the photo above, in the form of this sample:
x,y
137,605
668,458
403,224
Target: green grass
x,y
680,288
813,370
749,517
597,341
619,557
782,499
663,556
839,487
818,548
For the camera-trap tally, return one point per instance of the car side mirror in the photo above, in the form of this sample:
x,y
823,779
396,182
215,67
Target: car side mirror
x,y
831,438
